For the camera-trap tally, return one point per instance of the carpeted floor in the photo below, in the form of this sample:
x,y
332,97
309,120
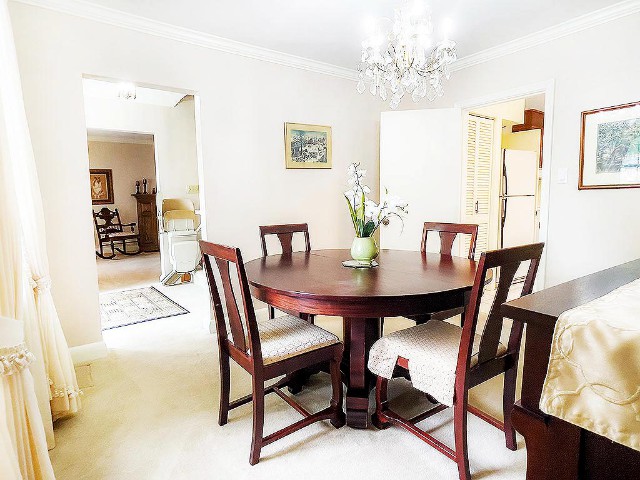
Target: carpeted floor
x,y
150,412
124,272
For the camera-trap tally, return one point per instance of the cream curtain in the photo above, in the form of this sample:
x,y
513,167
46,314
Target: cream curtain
x,y
23,418
19,161
23,446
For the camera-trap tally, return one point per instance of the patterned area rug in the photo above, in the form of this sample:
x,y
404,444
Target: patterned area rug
x,y
127,307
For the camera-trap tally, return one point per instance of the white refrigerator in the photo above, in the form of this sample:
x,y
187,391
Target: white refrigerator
x,y
518,222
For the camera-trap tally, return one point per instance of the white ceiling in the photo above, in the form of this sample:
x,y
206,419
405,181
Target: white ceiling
x,y
331,30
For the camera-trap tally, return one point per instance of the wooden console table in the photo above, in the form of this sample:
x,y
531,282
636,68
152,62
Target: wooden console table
x,y
557,450
147,222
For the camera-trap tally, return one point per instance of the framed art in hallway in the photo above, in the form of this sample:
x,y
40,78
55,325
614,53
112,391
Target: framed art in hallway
x,y
307,146
101,180
610,147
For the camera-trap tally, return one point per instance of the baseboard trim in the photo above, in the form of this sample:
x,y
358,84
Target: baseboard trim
x,y
85,354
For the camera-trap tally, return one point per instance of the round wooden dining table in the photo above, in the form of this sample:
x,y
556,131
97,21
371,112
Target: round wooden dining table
x,y
404,283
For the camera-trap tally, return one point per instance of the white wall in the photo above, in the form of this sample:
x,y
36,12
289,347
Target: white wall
x,y
180,167
244,105
588,230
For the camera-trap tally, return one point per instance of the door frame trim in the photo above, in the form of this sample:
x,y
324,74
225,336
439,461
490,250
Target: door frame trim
x,y
548,89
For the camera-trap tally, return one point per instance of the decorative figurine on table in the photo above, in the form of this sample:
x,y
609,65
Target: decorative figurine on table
x,y
144,185
367,216
137,186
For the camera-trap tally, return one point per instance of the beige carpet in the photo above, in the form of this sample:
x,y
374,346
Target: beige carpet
x,y
150,412
123,272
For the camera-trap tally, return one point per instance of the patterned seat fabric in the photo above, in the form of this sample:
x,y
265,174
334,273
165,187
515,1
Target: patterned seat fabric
x,y
287,336
432,352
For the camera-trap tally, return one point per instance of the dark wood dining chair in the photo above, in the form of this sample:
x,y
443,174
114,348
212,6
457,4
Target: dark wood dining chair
x,y
479,358
285,236
448,233
266,350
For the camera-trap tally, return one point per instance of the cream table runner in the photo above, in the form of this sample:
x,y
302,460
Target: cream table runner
x,y
593,379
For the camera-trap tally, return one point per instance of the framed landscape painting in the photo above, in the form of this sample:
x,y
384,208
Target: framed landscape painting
x,y
101,180
610,147
307,146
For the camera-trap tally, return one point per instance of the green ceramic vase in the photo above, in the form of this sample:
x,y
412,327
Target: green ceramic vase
x,y
364,249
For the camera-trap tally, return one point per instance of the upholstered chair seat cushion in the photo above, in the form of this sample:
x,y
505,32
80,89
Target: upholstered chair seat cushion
x,y
432,351
286,336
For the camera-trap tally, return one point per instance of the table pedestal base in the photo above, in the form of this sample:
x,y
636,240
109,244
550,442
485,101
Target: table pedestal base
x,y
359,335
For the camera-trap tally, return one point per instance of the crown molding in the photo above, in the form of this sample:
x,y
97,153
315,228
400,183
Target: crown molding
x,y
575,25
83,9
110,16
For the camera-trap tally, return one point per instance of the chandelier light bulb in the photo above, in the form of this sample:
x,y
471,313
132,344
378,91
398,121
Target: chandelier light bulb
x,y
401,56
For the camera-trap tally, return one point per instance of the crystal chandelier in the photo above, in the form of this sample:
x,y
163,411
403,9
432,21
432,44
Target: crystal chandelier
x,y
400,57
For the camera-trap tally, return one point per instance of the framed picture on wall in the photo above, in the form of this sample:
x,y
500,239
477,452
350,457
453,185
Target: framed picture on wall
x,y
610,147
307,146
101,180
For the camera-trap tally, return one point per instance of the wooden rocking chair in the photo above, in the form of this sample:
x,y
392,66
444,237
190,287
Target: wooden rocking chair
x,y
110,231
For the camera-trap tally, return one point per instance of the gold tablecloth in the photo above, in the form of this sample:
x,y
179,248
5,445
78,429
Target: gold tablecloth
x,y
593,379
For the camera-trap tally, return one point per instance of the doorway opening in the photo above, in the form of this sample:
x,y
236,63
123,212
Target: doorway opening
x,y
148,206
504,180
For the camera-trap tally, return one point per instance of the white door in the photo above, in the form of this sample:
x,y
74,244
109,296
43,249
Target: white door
x,y
478,155
420,161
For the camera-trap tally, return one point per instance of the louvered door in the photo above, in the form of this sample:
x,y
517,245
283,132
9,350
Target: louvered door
x,y
478,152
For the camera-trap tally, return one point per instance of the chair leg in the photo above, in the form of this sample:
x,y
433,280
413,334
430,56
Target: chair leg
x,y
258,418
508,399
272,312
308,317
223,413
378,419
339,418
460,432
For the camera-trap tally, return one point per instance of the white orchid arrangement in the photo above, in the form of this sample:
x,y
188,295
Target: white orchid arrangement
x,y
367,215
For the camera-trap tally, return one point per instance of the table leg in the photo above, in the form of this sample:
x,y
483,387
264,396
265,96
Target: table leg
x,y
359,335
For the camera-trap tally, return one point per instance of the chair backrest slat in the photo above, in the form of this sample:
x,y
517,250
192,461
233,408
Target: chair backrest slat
x,y
235,320
448,233
111,222
241,329
507,261
285,236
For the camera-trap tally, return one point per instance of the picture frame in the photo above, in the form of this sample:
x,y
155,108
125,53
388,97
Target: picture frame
x,y
610,147
307,146
101,183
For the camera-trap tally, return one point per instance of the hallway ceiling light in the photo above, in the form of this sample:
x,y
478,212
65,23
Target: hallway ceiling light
x,y
127,91
400,56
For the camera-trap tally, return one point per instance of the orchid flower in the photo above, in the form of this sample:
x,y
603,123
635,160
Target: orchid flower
x,y
367,215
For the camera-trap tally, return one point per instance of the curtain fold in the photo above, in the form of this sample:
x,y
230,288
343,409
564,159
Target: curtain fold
x,y
44,336
23,416
22,437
